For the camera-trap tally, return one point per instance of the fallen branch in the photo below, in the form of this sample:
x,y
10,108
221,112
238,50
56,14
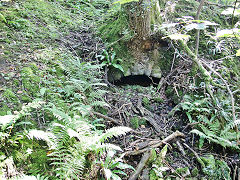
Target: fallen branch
x,y
181,149
196,155
107,118
149,116
155,145
141,165
206,75
235,172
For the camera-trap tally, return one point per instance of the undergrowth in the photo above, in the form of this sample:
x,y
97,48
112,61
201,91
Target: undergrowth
x,y
46,119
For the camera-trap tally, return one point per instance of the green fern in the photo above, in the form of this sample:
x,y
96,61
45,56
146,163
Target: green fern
x,y
215,126
71,139
115,131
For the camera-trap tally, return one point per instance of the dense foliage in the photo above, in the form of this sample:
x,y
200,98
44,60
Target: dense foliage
x,y
55,59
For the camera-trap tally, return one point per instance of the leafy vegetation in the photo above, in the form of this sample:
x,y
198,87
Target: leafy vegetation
x,y
59,108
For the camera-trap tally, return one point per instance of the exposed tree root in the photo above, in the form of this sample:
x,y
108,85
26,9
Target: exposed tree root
x,y
155,145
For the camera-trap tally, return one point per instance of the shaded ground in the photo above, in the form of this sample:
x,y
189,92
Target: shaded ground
x,y
148,112
145,109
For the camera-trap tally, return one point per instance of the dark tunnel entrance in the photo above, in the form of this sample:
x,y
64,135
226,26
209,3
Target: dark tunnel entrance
x,y
141,80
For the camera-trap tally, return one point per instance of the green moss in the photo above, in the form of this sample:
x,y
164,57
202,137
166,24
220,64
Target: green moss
x,y
30,81
158,99
4,109
136,122
26,99
152,175
146,101
16,82
195,172
10,96
33,67
19,24
183,171
165,61
194,70
7,52
27,72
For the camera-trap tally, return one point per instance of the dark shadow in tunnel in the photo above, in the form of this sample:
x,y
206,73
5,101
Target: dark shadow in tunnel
x,y
141,80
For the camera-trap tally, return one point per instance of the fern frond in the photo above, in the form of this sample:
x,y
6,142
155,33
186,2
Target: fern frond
x,y
108,146
216,139
41,135
60,115
60,133
100,104
230,125
215,126
8,119
37,103
115,131
68,166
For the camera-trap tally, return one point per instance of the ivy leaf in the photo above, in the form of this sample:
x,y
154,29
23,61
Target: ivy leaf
x,y
168,25
163,152
178,37
228,33
229,11
104,63
108,173
200,26
42,91
4,120
124,166
116,177
2,18
119,172
238,52
118,66
113,56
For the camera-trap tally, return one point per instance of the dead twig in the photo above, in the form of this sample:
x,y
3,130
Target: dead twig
x,y
180,147
238,173
235,173
196,155
107,118
164,141
141,165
